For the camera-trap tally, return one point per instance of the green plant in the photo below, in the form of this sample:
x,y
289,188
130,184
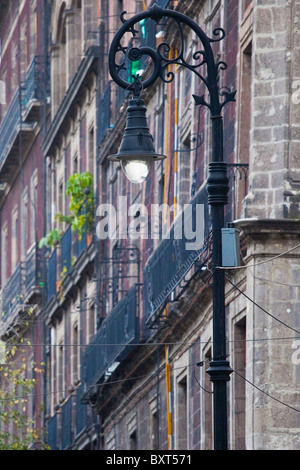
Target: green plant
x,y
52,238
18,431
81,208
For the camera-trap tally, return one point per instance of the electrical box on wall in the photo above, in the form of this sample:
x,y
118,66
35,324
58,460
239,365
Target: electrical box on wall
x,y
230,247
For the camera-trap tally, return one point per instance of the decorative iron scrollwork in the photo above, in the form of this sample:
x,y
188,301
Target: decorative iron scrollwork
x,y
202,59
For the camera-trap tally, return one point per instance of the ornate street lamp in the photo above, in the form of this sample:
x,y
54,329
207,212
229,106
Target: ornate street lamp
x,y
137,153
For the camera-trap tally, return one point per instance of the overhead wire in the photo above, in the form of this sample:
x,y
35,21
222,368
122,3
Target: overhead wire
x,y
154,375
227,268
182,343
266,393
260,307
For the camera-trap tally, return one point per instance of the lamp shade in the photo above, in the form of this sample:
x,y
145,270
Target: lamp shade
x,y
136,152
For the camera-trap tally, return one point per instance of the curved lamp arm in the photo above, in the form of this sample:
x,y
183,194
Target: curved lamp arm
x,y
160,60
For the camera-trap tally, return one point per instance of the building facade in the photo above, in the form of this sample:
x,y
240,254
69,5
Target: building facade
x,y
125,306
24,94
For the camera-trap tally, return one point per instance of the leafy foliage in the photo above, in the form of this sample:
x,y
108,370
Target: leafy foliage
x,y
81,208
18,430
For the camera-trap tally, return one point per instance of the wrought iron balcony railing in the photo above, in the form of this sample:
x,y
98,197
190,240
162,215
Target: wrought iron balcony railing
x,y
33,270
104,114
112,342
72,419
64,256
30,96
66,251
52,434
174,257
31,88
66,423
10,125
83,412
51,275
13,293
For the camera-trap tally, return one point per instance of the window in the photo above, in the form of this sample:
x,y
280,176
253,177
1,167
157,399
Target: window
x,y
33,28
60,201
53,195
14,240
14,67
132,432
60,371
33,207
75,353
245,100
23,51
154,431
91,322
110,443
75,164
184,172
239,383
24,223
89,23
154,423
4,256
3,93
182,416
91,151
2,352
58,59
133,440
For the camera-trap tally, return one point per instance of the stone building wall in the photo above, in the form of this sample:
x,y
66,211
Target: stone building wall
x,y
263,386
274,183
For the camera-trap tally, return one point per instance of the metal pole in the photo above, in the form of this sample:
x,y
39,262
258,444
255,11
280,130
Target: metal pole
x,y
217,184
219,370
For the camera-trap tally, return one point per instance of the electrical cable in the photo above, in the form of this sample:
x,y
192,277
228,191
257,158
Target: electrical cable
x,y
262,391
156,344
201,364
268,313
226,268
113,382
182,343
154,375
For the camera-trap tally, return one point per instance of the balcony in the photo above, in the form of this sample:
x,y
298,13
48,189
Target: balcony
x,y
71,421
31,98
33,273
103,114
53,433
111,344
23,287
51,275
66,258
84,417
72,96
66,423
15,135
13,294
172,260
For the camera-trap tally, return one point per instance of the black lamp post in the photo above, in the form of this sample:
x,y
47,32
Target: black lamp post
x,y
136,154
